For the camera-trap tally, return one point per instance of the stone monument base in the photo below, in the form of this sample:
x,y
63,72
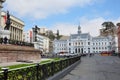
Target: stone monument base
x,y
5,33
13,53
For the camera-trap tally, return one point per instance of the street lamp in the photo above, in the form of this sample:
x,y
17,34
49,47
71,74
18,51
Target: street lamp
x,y
35,30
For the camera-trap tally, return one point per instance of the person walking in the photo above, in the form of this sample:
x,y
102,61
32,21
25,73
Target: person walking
x,y
1,40
5,40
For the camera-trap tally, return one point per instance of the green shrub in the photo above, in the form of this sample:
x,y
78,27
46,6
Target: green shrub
x,y
19,65
45,61
56,59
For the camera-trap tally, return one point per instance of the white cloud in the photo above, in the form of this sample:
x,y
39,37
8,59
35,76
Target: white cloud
x,y
87,26
65,28
92,26
43,8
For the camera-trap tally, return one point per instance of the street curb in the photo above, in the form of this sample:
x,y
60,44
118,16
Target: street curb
x,y
64,72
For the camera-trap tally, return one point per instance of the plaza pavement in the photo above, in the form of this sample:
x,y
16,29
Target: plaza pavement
x,y
96,68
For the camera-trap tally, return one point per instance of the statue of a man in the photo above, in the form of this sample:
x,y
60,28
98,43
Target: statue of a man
x,y
8,22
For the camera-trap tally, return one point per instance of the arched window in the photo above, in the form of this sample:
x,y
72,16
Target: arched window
x,y
76,50
79,50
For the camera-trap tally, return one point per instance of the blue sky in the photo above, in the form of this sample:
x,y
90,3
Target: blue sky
x,y
65,15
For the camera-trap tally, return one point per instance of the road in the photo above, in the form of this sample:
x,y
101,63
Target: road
x,y
96,68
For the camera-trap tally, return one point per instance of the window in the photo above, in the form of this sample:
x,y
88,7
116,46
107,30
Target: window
x,y
69,44
69,50
105,47
110,43
88,43
82,43
99,43
76,43
105,43
102,47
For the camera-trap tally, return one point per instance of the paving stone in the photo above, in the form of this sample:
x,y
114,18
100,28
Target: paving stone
x,y
96,68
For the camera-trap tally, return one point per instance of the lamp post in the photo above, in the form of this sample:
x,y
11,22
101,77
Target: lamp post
x,y
35,30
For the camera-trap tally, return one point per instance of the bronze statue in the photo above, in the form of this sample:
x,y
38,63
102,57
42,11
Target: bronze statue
x,y
8,22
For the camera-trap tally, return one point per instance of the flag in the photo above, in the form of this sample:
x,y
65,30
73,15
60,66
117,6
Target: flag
x,y
5,18
30,34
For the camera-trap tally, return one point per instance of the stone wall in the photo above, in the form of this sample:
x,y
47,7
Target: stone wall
x,y
12,53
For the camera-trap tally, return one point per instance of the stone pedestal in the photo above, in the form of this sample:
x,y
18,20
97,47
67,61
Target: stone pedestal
x,y
5,33
13,53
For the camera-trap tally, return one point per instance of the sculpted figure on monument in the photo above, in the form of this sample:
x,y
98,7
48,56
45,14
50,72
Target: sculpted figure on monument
x,y
8,22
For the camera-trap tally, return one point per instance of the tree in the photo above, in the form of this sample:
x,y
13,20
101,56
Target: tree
x,y
118,24
109,29
50,35
108,25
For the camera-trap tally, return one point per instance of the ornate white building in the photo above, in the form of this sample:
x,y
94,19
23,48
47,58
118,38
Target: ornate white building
x,y
16,27
82,43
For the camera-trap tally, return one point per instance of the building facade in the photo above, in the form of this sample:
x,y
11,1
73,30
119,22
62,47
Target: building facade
x,y
46,44
39,43
27,36
60,46
101,43
50,46
82,43
109,29
16,28
118,35
42,43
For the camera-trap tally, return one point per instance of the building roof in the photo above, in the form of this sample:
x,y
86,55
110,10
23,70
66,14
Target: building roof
x,y
100,37
64,38
16,19
82,35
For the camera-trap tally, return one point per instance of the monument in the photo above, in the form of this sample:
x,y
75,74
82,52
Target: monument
x,y
4,32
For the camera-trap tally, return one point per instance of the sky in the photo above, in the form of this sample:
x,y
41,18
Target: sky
x,y
65,15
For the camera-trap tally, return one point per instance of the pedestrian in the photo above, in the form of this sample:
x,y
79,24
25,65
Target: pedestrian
x,y
1,40
5,40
